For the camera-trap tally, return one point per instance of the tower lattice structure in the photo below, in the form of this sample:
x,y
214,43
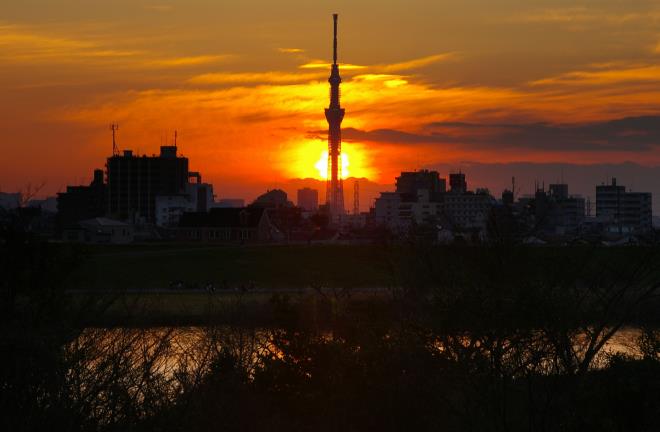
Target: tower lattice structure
x,y
334,114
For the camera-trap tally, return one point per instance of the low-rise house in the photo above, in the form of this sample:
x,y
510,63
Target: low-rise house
x,y
228,225
100,230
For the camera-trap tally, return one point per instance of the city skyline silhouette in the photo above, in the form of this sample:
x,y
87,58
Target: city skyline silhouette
x,y
423,92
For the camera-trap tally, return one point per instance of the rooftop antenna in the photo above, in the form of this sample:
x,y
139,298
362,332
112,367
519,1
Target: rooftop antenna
x,y
513,187
114,127
175,134
356,197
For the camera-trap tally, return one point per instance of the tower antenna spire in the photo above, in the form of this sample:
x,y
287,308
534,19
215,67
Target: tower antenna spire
x,y
334,41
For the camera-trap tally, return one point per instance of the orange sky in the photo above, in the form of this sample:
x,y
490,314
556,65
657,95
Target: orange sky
x,y
425,83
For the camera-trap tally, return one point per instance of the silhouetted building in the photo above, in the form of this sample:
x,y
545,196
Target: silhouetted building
x,y
467,210
134,182
82,202
229,203
556,212
288,222
272,198
170,208
507,197
48,204
10,201
387,210
201,195
416,200
623,212
411,182
457,183
100,230
558,191
308,199
227,225
105,230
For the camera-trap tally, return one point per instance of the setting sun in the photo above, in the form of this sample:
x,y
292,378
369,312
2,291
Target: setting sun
x,y
322,165
309,159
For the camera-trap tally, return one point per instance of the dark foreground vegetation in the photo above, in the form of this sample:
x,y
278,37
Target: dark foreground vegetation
x,y
491,338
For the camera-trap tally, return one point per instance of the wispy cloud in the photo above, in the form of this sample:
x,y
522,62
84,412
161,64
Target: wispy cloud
x,y
388,80
604,75
291,50
189,61
325,65
255,77
24,45
582,14
159,7
384,68
416,63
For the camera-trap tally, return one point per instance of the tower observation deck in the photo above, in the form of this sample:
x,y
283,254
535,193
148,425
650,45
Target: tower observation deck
x,y
334,114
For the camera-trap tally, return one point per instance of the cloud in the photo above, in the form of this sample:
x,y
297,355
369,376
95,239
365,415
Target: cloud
x,y
317,64
606,74
19,44
631,134
582,15
255,78
291,50
159,7
383,68
188,61
415,63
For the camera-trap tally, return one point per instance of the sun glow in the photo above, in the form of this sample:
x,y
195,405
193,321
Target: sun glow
x,y
309,159
322,165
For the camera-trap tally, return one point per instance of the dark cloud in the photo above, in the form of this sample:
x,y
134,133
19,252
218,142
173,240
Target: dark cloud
x,y
635,134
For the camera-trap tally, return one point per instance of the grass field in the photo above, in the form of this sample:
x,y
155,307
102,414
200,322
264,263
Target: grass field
x,y
134,283
174,308
158,266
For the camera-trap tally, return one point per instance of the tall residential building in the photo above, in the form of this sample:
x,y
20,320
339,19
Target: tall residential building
x,y
308,199
134,182
468,210
623,212
557,212
412,181
397,212
417,199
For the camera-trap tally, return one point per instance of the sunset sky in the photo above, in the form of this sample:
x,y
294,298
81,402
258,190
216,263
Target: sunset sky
x,y
495,88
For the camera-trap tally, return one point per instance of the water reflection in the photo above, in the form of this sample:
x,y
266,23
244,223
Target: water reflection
x,y
126,369
165,350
